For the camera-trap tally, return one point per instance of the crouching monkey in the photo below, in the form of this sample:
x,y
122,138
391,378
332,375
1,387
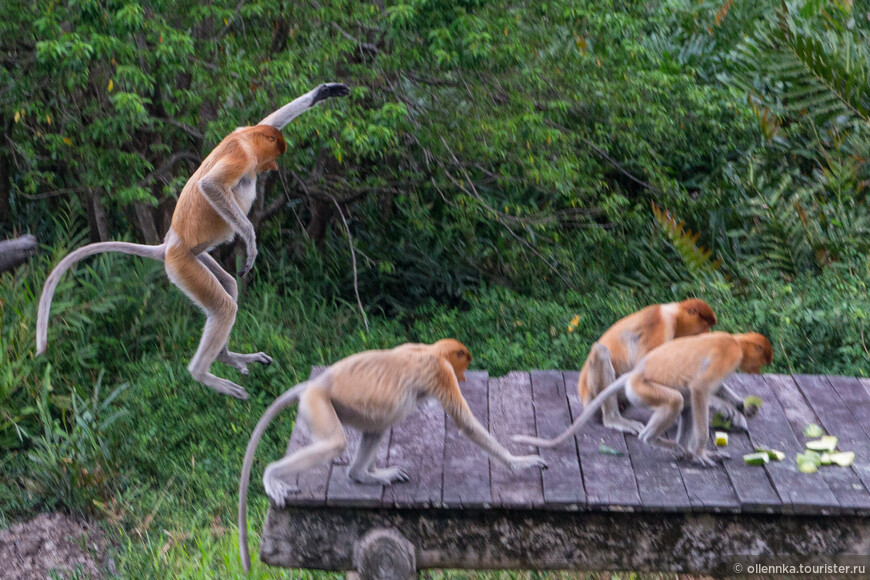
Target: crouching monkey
x,y
212,208
628,340
677,381
369,391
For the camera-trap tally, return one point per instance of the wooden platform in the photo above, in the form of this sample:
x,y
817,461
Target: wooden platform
x,y
452,480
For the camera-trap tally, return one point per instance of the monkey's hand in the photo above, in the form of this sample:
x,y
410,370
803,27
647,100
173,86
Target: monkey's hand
x,y
526,461
250,256
329,90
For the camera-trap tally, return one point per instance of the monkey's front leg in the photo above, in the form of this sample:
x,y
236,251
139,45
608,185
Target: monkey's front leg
x,y
363,471
216,190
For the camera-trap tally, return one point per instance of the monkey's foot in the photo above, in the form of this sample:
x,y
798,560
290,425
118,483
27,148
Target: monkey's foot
x,y
738,421
622,424
241,361
278,490
222,386
708,458
386,476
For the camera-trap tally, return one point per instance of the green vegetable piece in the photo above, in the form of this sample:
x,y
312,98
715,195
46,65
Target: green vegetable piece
x,y
813,430
827,443
721,438
773,454
809,457
826,459
605,450
720,422
760,458
753,401
807,467
843,458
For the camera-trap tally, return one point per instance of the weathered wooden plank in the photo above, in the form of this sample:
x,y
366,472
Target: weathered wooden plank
x,y
709,488
659,481
799,493
466,466
609,481
312,483
563,483
856,398
752,486
510,413
850,485
417,447
845,484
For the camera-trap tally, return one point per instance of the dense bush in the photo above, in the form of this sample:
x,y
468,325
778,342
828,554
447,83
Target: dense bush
x,y
517,175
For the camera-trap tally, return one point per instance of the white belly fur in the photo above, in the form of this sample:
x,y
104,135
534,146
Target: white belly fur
x,y
245,192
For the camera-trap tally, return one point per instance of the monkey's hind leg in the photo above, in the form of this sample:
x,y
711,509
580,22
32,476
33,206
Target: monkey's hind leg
x,y
363,471
601,374
236,360
195,280
328,442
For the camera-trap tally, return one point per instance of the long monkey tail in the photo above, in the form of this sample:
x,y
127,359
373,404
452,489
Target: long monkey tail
x,y
584,417
281,403
153,252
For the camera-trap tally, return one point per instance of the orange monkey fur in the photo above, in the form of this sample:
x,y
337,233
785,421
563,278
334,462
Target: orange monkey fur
x,y
369,391
629,339
677,380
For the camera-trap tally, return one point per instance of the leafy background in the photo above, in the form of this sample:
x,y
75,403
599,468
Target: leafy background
x,y
517,175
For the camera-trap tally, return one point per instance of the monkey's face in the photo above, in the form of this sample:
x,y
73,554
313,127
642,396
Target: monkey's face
x,y
757,352
270,144
695,317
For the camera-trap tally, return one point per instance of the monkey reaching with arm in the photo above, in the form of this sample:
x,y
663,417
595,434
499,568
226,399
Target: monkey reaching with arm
x,y
369,391
677,380
628,340
212,208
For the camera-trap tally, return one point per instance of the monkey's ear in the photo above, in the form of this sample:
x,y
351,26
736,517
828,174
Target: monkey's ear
x,y
759,349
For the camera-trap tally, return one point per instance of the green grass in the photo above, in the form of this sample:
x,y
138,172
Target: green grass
x,y
163,474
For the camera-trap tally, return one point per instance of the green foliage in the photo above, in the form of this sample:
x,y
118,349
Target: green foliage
x,y
495,163
72,461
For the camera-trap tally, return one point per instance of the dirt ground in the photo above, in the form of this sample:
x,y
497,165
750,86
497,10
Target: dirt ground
x,y
53,542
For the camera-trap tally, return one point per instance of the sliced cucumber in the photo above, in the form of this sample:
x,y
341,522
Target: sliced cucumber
x,y
827,443
807,467
761,458
753,401
720,422
843,458
813,430
721,438
809,457
826,459
773,454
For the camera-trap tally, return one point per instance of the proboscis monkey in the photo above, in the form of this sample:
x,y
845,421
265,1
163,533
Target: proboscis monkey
x,y
628,340
369,391
212,208
677,381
